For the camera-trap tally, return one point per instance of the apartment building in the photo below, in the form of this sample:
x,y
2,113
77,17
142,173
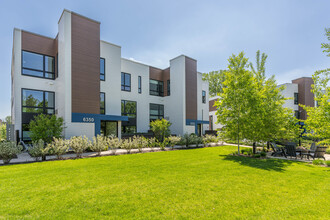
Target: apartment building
x,y
298,92
86,81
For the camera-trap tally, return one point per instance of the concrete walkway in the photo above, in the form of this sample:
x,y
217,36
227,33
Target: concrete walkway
x,y
26,158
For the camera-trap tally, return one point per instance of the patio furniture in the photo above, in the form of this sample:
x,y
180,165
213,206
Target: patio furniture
x,y
313,147
318,153
290,149
277,151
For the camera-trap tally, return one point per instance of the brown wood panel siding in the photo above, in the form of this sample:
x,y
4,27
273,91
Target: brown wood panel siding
x,y
166,76
39,44
160,75
191,88
211,105
305,95
85,58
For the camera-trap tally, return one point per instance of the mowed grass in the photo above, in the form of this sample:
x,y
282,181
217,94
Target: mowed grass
x,y
202,183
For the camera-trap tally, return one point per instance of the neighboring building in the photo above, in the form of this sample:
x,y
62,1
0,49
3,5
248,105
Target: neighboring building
x,y
213,125
299,92
85,81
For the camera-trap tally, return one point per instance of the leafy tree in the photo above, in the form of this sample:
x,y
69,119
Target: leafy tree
x,y
215,79
8,120
251,106
318,120
236,100
161,129
46,127
3,132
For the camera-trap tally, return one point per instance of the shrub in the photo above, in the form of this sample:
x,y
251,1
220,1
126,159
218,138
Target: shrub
x,y
198,140
210,139
248,151
114,143
188,139
163,144
46,127
79,145
327,163
140,142
152,143
327,151
317,162
58,147
173,140
99,144
161,129
38,150
263,154
257,155
9,150
127,145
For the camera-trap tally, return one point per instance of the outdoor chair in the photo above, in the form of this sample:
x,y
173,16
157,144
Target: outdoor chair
x,y
290,149
277,151
318,153
313,147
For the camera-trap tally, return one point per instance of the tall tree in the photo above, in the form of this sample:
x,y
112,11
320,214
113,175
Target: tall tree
x,y
215,79
236,100
318,120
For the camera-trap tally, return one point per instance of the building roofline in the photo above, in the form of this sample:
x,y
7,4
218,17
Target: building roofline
x,y
72,12
106,42
183,56
35,33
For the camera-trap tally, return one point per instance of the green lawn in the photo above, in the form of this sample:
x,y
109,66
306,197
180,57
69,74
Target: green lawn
x,y
200,183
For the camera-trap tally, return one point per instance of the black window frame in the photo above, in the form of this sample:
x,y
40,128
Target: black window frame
x,y
140,84
203,96
168,87
132,121
44,108
102,74
296,98
159,116
104,104
43,71
123,84
158,91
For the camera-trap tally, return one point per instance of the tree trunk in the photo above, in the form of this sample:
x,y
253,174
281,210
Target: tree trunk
x,y
254,148
268,145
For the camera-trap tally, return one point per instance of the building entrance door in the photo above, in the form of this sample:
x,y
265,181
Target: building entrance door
x,y
109,128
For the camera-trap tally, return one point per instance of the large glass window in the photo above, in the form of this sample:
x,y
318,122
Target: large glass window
x,y
35,102
128,108
125,82
102,103
140,84
156,87
168,87
102,69
34,64
203,96
156,111
296,98
109,128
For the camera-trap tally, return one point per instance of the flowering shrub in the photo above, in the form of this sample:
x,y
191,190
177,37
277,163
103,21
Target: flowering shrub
x,y
38,150
79,144
173,140
100,143
9,150
114,143
58,147
127,144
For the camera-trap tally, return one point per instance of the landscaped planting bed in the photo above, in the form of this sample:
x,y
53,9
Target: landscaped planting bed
x,y
205,183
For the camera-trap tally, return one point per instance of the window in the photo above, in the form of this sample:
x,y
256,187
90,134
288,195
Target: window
x,y
156,112
102,69
38,65
125,82
211,122
140,84
296,98
102,103
168,88
35,102
109,128
156,87
56,65
297,114
203,96
128,108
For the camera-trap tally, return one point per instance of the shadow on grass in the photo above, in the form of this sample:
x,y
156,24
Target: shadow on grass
x,y
264,164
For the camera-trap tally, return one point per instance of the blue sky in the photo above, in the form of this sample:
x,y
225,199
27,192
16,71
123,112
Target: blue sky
x,y
153,32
